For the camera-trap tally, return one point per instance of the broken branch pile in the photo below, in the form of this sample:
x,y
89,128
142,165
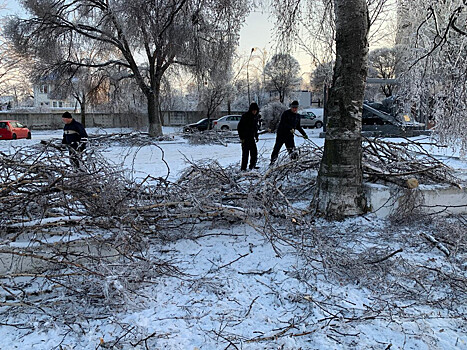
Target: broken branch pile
x,y
88,234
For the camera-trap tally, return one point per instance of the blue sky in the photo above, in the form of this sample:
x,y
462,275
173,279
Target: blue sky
x,y
12,7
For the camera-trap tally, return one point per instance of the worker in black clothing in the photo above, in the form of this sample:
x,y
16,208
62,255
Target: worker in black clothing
x,y
248,133
75,137
290,121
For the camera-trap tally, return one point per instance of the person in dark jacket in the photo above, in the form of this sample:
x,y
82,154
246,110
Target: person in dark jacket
x,y
75,137
248,133
290,121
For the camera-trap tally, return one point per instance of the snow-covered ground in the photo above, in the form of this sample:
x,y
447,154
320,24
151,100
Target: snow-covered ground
x,y
238,289
176,153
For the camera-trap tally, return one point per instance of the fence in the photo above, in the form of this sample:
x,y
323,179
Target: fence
x,y
53,120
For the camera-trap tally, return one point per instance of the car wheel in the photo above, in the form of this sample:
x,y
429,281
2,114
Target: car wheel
x,y
225,127
318,125
13,137
29,136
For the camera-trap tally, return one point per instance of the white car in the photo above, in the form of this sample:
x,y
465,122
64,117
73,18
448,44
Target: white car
x,y
227,122
311,118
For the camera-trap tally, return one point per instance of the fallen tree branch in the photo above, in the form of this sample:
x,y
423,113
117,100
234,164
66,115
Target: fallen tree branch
x,y
437,244
400,250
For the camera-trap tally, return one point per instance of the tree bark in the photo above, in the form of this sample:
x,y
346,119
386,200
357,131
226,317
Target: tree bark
x,y
339,187
83,110
154,118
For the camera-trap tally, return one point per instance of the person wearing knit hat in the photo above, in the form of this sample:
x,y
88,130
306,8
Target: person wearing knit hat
x,y
290,121
248,132
75,138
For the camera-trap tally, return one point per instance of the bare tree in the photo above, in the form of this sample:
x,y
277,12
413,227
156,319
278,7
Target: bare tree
x,y
433,36
142,37
384,63
282,75
322,76
14,71
215,85
310,25
88,85
339,190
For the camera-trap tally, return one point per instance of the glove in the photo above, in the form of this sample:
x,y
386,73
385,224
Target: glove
x,y
292,131
242,141
305,137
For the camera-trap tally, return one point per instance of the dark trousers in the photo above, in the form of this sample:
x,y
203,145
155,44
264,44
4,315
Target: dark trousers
x,y
75,157
282,139
249,149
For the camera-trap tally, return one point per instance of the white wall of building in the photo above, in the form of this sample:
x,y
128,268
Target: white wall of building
x,y
42,99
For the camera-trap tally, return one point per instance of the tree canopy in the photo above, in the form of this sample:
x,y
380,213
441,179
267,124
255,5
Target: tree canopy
x,y
142,38
433,37
282,75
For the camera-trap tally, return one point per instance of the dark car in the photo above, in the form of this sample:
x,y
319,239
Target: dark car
x,y
13,129
201,125
377,120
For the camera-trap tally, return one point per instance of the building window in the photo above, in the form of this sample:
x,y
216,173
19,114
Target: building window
x,y
55,103
44,89
60,103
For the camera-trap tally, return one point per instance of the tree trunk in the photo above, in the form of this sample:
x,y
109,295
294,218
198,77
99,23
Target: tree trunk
x,y
339,187
154,117
83,110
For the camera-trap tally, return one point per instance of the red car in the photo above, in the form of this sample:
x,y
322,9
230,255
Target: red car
x,y
13,129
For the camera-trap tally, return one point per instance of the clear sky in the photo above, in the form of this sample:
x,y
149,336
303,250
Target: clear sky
x,y
258,31
10,7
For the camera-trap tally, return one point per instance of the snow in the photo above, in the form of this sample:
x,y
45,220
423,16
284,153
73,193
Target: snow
x,y
237,291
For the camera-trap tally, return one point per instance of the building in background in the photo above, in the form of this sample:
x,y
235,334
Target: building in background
x,y
6,102
304,98
46,96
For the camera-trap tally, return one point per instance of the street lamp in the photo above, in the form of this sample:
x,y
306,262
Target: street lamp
x,y
248,77
263,63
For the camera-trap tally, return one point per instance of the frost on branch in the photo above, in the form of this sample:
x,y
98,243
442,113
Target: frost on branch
x,y
100,246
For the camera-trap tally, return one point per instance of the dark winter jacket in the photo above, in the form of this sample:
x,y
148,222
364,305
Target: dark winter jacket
x,y
248,126
289,121
75,135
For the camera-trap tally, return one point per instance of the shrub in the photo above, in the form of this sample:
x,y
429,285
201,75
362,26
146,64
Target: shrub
x,y
271,114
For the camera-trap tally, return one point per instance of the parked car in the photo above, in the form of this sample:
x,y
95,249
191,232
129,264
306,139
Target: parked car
x,y
311,119
227,122
201,125
376,121
13,129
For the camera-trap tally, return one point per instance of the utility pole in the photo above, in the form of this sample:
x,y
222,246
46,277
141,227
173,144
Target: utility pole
x,y
248,77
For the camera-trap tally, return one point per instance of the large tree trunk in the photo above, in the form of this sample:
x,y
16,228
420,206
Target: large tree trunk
x,y
339,188
154,118
83,110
